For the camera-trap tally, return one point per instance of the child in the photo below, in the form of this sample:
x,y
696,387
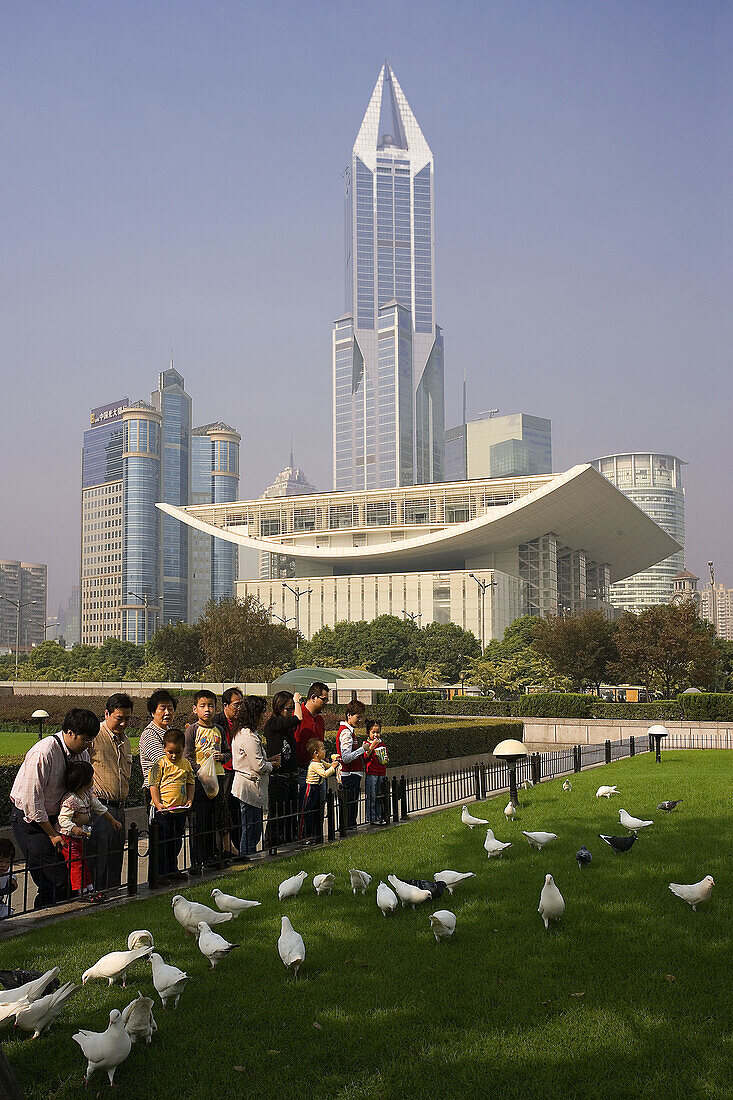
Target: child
x,y
78,808
204,740
171,794
376,760
8,882
352,758
317,772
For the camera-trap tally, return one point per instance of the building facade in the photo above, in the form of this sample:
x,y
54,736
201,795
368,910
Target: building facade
x,y
23,600
388,419
654,483
174,406
716,605
290,482
214,479
515,445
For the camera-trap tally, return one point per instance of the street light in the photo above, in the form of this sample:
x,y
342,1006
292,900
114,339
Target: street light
x,y
282,620
483,585
297,592
40,716
656,733
144,601
512,751
17,605
413,616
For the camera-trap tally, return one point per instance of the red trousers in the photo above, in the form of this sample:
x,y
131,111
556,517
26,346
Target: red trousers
x,y
78,868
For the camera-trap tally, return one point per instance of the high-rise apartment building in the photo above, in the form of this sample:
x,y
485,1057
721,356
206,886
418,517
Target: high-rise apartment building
x,y
716,605
654,483
514,445
214,480
388,418
23,593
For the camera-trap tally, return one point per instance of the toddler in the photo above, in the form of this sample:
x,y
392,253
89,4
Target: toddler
x,y
79,806
8,882
317,773
171,795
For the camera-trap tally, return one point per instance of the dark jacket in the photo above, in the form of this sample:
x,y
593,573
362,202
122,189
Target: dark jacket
x,y
280,736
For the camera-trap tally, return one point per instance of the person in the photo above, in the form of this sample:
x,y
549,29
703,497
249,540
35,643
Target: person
x,y
203,741
80,804
252,770
376,759
111,757
318,773
279,734
171,795
228,722
36,795
8,881
162,710
351,755
311,725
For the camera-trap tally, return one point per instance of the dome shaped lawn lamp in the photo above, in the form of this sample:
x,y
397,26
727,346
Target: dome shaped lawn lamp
x,y
512,752
656,733
40,716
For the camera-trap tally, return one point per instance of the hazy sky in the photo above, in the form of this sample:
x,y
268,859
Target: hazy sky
x,y
172,178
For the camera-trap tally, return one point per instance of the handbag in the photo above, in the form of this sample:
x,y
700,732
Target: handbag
x,y
208,778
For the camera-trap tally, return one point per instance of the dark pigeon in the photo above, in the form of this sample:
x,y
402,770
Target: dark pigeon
x,y
669,806
11,979
435,888
583,857
619,843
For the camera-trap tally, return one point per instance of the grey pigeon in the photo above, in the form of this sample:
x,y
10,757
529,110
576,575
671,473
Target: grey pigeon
x,y
583,857
669,805
437,888
619,843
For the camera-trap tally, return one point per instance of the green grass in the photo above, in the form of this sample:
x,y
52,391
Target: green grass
x,y
630,996
17,742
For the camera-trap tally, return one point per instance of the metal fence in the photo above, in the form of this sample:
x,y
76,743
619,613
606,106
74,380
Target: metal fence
x,y
202,840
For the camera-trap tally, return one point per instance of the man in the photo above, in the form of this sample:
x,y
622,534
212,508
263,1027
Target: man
x,y
311,726
111,758
37,794
228,722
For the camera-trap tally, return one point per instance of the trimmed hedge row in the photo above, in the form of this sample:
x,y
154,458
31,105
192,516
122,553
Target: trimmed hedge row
x,y
709,706
703,707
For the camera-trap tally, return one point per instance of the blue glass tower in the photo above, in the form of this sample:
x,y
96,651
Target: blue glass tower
x,y
214,480
387,349
174,405
141,453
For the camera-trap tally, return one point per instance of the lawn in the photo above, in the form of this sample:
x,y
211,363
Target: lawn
x,y
629,996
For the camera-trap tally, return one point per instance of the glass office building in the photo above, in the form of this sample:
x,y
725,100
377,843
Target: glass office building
x,y
174,406
141,460
514,445
387,349
214,479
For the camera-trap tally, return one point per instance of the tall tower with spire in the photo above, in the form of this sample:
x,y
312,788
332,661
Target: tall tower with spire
x,y
388,415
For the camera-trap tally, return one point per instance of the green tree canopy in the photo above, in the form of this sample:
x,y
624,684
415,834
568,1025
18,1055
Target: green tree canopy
x,y
239,642
667,648
177,649
580,647
446,646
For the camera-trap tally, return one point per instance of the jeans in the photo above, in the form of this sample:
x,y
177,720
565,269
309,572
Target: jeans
x,y
170,840
351,782
372,787
251,828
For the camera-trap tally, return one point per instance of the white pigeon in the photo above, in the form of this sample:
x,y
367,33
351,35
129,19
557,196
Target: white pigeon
x,y
40,1014
290,946
470,820
633,824
493,846
7,1012
105,1049
31,991
537,841
552,903
567,785
386,899
139,1020
115,965
606,792
323,884
443,924
228,903
290,887
140,938
407,893
695,894
510,811
359,880
527,785
189,914
214,946
453,878
168,980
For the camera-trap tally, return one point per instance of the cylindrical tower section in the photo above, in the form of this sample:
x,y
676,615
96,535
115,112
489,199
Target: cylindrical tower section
x,y
141,532
225,488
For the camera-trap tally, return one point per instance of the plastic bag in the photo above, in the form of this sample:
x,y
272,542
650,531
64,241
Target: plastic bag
x,y
208,777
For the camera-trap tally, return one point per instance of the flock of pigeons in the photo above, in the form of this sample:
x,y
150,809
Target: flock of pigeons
x,y
35,1004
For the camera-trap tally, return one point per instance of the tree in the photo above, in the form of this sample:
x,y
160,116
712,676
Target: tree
x,y
427,676
178,649
239,641
510,674
667,648
448,647
383,645
580,647
345,645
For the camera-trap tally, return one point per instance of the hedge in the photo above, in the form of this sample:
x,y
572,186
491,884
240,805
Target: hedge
x,y
414,702
553,704
708,706
660,711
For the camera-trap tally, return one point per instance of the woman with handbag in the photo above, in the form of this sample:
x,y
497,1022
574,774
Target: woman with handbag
x,y
282,816
252,771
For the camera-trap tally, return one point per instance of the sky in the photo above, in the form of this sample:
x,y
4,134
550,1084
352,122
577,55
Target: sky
x,y
173,180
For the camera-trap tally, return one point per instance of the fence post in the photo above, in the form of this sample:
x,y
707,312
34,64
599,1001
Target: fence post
x,y
343,811
395,802
608,752
330,815
536,767
632,745
477,782
153,843
484,784
133,852
385,810
403,798
577,759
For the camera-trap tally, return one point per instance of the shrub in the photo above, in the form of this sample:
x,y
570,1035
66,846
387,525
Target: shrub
x,y
389,714
482,706
660,711
414,702
556,705
424,744
708,706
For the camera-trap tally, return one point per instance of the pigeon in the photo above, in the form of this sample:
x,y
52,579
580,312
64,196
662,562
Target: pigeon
x,y
214,946
30,991
13,979
619,843
493,846
289,887
453,878
443,924
407,892
552,903
669,805
115,965
140,938
583,857
537,841
105,1049
386,899
359,880
695,894
527,785
139,1020
290,946
606,792
510,811
189,914
633,824
40,1014
168,980
323,884
436,888
471,821
7,1012
567,785
228,903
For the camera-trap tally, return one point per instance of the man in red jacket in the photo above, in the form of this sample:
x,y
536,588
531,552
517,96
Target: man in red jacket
x,y
311,725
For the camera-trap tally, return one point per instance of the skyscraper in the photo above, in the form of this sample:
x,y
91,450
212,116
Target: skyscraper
x,y
214,480
498,446
174,406
388,415
23,587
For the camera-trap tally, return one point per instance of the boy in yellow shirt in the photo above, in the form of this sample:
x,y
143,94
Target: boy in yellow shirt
x,y
171,796
203,741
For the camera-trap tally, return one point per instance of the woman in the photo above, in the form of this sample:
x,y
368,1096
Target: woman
x,y
162,710
280,739
252,771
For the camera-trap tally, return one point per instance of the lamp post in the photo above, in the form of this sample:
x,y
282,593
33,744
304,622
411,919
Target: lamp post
x,y
413,616
297,592
17,605
713,610
512,751
656,733
483,585
280,619
40,716
144,600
